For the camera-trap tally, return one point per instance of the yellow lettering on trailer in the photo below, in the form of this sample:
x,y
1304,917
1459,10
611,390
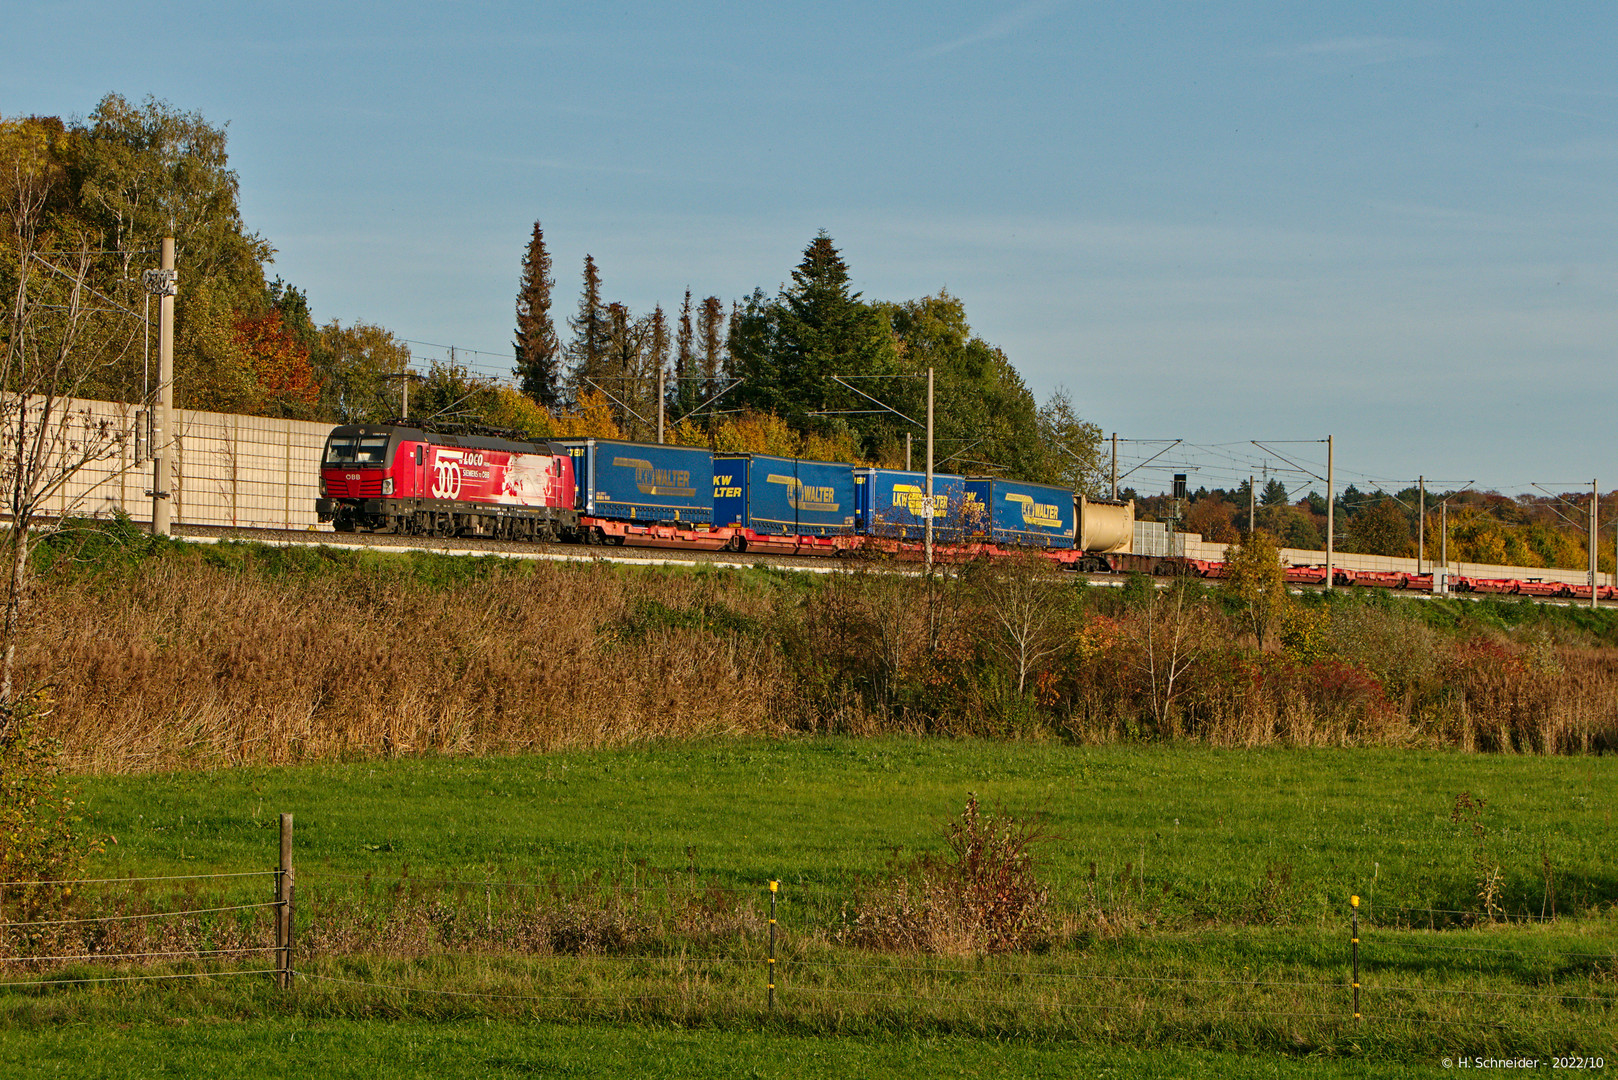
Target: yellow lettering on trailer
x,y
800,497
1036,513
913,497
675,483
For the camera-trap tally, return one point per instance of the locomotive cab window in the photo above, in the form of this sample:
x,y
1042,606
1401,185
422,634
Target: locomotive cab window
x,y
357,450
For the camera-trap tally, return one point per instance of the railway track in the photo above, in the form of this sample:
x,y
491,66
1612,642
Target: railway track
x,y
502,548
554,552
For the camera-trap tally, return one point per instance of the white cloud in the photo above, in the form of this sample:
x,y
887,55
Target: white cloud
x,y
994,30
1591,151
1359,50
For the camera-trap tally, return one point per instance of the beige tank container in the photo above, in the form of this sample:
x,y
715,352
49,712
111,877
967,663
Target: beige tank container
x,y
1106,526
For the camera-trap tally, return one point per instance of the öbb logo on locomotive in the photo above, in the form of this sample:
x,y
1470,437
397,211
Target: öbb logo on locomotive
x,y
446,477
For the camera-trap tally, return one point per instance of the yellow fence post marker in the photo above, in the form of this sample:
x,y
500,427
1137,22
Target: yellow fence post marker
x,y
1354,941
775,887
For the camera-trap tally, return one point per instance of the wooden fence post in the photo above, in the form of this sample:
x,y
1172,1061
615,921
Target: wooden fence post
x,y
283,910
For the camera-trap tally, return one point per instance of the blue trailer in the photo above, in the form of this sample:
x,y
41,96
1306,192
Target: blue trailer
x,y
642,482
1014,512
779,496
892,505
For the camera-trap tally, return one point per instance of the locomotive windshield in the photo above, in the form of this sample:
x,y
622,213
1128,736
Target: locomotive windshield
x,y
351,449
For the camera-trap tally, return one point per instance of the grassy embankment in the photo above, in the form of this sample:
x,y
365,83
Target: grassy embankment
x,y
298,1047
1215,921
167,656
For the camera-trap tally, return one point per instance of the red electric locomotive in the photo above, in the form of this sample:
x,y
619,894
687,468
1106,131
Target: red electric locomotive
x,y
416,480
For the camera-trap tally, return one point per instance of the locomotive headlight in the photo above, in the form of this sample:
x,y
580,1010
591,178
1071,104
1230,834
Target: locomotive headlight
x,y
323,491
387,485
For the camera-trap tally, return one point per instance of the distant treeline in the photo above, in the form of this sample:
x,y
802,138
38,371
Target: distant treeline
x,y
815,370
1484,526
755,374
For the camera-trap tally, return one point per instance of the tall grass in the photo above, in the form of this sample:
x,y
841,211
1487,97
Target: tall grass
x,y
187,664
872,654
159,657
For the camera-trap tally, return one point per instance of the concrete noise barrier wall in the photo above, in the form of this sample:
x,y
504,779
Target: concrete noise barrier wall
x,y
245,471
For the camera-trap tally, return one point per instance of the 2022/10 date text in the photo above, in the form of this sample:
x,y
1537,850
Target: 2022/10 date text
x,y
1571,1061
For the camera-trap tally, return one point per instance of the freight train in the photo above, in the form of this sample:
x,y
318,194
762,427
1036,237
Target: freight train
x,y
418,480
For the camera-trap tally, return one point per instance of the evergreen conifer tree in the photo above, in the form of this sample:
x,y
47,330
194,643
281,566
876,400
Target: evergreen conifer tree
x,y
711,344
657,355
538,351
587,352
788,349
622,348
682,395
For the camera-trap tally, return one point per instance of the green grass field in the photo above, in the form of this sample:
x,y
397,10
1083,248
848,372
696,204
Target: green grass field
x,y
1207,825
1209,939
383,1049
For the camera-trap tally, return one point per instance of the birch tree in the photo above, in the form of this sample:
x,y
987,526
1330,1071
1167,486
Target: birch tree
x,y
59,334
1022,604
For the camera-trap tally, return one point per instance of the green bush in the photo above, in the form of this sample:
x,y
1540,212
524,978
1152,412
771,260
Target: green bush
x,y
41,842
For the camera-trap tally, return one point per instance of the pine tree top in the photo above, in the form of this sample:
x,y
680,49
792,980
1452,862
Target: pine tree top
x,y
822,269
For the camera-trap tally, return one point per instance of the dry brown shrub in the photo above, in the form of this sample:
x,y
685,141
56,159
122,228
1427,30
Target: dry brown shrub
x,y
984,898
1535,698
189,665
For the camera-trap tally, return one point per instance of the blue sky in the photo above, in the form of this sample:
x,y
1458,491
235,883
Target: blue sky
x,y
1391,223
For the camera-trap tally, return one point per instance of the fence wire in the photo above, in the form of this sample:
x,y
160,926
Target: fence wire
x,y
1019,974
1520,954
183,954
122,880
444,993
145,915
1086,1006
582,886
47,982
1378,945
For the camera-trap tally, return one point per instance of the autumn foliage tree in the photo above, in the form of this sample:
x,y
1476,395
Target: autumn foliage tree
x,y
359,366
1381,529
133,172
1256,581
280,365
57,337
1214,519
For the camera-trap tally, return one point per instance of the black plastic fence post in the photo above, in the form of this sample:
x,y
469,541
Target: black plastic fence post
x,y
775,887
1354,943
